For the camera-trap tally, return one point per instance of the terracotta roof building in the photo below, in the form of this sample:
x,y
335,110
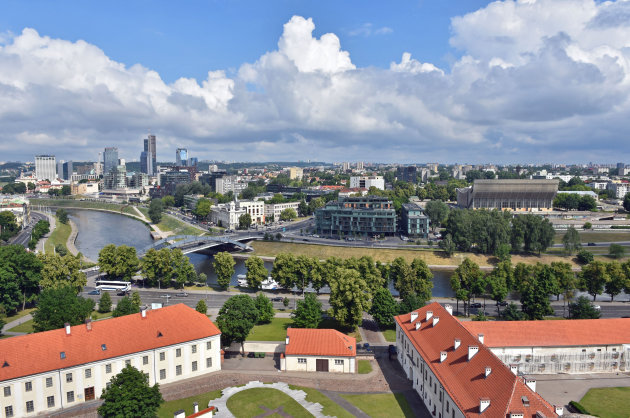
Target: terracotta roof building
x,y
569,346
456,375
322,350
62,368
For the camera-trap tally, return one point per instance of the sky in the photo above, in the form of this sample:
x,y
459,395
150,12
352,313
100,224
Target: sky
x,y
408,81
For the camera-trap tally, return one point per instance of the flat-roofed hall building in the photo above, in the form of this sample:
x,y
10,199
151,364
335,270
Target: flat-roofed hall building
x,y
456,375
62,368
367,216
516,195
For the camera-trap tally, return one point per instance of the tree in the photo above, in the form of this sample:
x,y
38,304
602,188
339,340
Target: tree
x,y
8,225
402,276
201,279
437,211
447,245
571,240
349,297
256,272
566,279
587,225
156,267
244,221
202,208
582,308
288,214
125,306
61,250
409,303
224,268
201,307
20,275
236,319
384,307
168,201
503,252
617,279
626,202
62,215
135,299
265,309
118,262
308,313
284,270
512,313
183,270
105,303
465,280
497,282
535,293
129,394
63,271
585,256
155,210
593,278
616,251
60,305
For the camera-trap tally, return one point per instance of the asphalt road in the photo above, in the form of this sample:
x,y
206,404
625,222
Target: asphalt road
x,y
25,235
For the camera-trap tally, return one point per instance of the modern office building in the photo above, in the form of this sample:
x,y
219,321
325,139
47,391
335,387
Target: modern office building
x,y
456,375
181,157
148,158
146,163
413,221
45,167
234,184
367,216
116,178
516,195
66,170
365,182
63,368
110,159
192,161
170,179
407,174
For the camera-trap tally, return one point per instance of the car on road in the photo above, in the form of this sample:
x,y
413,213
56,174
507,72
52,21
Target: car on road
x,y
597,307
503,303
94,292
277,299
591,244
475,305
181,295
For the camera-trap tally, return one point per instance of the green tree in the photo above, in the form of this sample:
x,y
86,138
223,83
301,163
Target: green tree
x,y
201,307
308,313
466,279
437,211
617,279
535,293
256,272
60,305
155,210
503,252
20,275
566,279
156,267
616,251
265,309
105,303
582,308
8,225
498,282
60,271
244,221
62,215
571,240
135,299
585,256
512,313
401,274
422,283
409,303
224,268
384,307
129,394
626,202
202,208
593,278
288,214
168,201
349,297
283,271
125,306
236,319
118,262
61,250
587,225
183,270
201,279
447,245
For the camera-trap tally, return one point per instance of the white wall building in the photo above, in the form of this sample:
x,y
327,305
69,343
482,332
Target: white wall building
x,y
45,167
319,350
275,209
227,214
365,182
619,189
58,369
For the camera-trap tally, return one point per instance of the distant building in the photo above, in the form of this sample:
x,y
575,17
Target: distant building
x,y
150,144
407,174
192,161
116,178
146,163
19,206
233,184
517,195
181,157
413,221
359,165
296,173
170,179
66,171
110,159
227,214
45,167
620,166
367,216
273,210
619,189
365,182
345,166
319,350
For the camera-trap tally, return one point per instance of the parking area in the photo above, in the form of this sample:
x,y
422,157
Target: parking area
x,y
237,362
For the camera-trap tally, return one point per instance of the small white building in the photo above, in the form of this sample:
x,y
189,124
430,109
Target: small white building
x,y
227,214
275,209
365,182
319,350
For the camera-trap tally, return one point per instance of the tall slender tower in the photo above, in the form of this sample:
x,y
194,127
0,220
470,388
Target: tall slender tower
x,y
148,157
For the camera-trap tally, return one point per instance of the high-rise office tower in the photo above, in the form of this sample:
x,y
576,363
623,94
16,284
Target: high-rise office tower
x,y
192,162
181,157
150,149
60,168
146,163
110,159
45,167
66,170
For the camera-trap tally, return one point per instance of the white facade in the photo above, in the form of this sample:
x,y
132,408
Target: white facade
x,y
275,209
45,167
232,184
619,189
227,214
309,364
365,182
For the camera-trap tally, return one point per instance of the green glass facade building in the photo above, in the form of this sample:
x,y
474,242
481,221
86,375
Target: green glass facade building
x,y
413,221
366,216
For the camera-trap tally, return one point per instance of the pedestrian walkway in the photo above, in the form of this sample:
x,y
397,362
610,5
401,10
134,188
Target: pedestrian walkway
x,y
42,242
15,323
158,232
333,396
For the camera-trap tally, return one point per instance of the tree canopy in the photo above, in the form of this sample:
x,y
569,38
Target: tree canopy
x,y
224,268
61,271
155,210
349,297
308,313
125,306
384,307
256,272
59,305
236,318
20,275
118,262
129,394
582,308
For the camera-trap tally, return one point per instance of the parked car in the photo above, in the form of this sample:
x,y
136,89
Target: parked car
x,y
94,292
591,244
277,299
502,303
181,295
597,307
475,305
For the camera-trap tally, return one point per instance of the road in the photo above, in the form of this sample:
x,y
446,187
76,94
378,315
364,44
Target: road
x,y
25,234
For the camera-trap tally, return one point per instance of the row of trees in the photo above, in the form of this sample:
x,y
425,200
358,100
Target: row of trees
x,y
40,229
571,201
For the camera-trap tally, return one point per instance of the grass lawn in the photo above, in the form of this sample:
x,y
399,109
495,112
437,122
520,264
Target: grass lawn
x,y
613,235
248,403
75,203
276,330
365,366
330,408
608,402
390,335
96,315
169,223
18,315
58,236
24,327
168,409
381,404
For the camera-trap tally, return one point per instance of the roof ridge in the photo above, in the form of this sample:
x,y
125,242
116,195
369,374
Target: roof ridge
x,y
507,407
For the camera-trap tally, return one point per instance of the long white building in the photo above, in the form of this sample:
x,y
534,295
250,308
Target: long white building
x,y
365,182
63,368
45,167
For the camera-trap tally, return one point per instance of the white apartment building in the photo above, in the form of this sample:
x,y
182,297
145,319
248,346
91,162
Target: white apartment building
x,y
619,189
275,209
230,183
365,182
227,214
45,167
295,173
63,368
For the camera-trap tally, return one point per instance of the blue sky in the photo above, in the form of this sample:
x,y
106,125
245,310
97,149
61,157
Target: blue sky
x,y
400,81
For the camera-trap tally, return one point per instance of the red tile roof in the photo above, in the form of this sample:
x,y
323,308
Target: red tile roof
x,y
40,352
320,342
465,380
561,333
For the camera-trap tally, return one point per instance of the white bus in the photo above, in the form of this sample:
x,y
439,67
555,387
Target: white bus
x,y
113,285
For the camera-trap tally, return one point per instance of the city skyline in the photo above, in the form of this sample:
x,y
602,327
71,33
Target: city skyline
x,y
500,82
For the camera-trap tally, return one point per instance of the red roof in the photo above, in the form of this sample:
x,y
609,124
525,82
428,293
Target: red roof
x,y
464,379
319,342
41,352
561,333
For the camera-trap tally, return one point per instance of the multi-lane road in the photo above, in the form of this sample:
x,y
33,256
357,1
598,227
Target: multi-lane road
x,y
25,234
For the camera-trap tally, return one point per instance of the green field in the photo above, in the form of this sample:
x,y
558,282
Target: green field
x,y
258,401
26,327
276,330
168,409
58,236
169,223
608,402
381,404
18,315
74,203
390,335
365,366
330,407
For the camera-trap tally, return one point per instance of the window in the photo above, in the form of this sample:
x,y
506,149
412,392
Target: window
x,y
162,374
208,345
301,361
49,382
178,352
28,386
108,368
145,360
70,396
162,356
8,411
29,406
338,362
68,377
448,405
178,370
193,348
7,391
88,373
127,362
209,362
50,401
194,366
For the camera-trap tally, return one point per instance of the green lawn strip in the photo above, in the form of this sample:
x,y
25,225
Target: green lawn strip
x,y
169,223
248,403
381,404
18,315
365,366
608,402
58,236
331,408
586,237
96,315
74,203
23,327
168,409
389,335
276,330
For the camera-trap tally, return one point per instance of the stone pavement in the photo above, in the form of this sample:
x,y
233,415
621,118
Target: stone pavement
x,y
560,389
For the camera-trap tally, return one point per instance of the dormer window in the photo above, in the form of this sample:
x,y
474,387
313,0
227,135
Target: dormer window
x,y
62,355
159,334
104,347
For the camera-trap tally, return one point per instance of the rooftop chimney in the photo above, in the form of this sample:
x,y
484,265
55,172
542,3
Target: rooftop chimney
x,y
457,343
472,350
67,325
196,407
480,337
418,325
414,316
443,355
88,324
514,368
483,404
488,371
180,414
436,319
143,312
429,315
286,341
531,383
449,309
559,410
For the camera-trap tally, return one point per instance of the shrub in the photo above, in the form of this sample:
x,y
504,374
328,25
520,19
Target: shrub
x,y
584,256
578,408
